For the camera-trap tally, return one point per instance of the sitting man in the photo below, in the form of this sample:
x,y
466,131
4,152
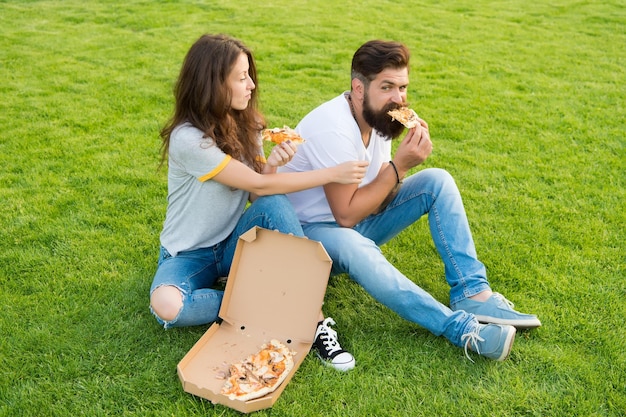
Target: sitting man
x,y
352,221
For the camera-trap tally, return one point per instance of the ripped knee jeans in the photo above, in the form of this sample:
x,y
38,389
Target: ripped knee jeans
x,y
195,272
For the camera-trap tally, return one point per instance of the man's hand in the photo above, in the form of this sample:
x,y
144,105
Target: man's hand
x,y
414,149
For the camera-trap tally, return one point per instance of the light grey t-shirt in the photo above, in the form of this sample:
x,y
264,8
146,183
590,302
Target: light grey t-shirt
x,y
200,212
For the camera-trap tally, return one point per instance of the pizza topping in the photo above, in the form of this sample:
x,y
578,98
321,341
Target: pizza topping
x,y
260,373
406,116
279,135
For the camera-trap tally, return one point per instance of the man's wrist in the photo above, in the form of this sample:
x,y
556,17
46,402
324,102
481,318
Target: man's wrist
x,y
395,169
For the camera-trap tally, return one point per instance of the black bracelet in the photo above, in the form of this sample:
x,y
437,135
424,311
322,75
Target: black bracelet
x,y
396,171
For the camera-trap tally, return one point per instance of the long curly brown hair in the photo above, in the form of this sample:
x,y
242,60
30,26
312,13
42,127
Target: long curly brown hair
x,y
203,99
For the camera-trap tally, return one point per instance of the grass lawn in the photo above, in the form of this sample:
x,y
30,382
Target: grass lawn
x,y
526,107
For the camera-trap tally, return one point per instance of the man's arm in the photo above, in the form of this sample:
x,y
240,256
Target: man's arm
x,y
351,204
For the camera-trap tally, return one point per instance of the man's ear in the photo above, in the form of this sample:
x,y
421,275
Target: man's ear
x,y
358,88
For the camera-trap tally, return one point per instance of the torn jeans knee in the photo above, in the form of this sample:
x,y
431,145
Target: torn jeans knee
x,y
199,307
168,323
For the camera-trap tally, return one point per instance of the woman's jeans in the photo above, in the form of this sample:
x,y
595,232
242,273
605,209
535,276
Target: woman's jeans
x,y
195,272
356,252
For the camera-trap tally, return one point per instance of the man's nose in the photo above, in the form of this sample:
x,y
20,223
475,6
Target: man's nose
x,y
398,97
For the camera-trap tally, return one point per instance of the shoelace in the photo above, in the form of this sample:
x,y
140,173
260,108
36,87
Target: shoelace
x,y
501,298
328,336
472,337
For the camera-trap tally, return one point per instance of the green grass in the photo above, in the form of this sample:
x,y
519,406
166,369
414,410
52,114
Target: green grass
x,y
526,108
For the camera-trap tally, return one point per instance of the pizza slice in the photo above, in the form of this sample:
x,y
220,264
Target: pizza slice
x,y
406,116
279,135
260,373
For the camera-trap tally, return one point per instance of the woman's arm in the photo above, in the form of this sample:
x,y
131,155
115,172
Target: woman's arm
x,y
238,175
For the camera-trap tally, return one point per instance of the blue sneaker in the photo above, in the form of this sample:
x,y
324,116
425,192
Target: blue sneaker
x,y
328,348
493,341
497,310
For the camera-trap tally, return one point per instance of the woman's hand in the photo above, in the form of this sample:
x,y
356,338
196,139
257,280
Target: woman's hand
x,y
281,154
351,172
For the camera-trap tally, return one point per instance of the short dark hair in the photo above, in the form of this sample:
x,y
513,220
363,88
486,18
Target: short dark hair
x,y
375,56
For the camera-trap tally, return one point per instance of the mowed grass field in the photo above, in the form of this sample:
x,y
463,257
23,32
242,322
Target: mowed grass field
x,y
526,107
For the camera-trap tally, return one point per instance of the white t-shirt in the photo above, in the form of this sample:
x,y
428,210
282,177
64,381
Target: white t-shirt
x,y
201,212
332,137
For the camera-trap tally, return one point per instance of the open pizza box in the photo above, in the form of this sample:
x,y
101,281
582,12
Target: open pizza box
x,y
275,290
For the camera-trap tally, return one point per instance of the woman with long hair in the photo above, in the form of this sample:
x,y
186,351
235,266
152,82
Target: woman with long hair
x,y
216,166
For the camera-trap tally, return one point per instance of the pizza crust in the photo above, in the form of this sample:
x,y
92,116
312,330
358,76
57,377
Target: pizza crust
x,y
259,374
406,116
279,135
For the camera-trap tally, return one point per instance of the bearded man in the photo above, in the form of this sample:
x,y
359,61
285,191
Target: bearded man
x,y
352,221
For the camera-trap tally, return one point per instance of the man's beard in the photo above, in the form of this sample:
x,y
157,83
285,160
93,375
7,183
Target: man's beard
x,y
380,120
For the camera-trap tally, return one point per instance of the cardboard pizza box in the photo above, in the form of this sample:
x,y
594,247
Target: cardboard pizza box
x,y
275,290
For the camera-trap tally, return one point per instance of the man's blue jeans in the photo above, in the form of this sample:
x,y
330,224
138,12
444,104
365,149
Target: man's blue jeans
x,y
356,252
195,272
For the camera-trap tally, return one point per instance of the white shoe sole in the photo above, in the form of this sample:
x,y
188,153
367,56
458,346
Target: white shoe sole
x,y
508,344
341,366
518,323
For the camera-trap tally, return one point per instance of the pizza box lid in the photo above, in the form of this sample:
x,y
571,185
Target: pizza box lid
x,y
275,290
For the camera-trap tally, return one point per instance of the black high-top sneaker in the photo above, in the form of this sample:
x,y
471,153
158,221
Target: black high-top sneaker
x,y
328,349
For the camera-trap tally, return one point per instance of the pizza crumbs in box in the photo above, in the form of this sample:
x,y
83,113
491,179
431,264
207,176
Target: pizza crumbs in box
x,y
275,290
